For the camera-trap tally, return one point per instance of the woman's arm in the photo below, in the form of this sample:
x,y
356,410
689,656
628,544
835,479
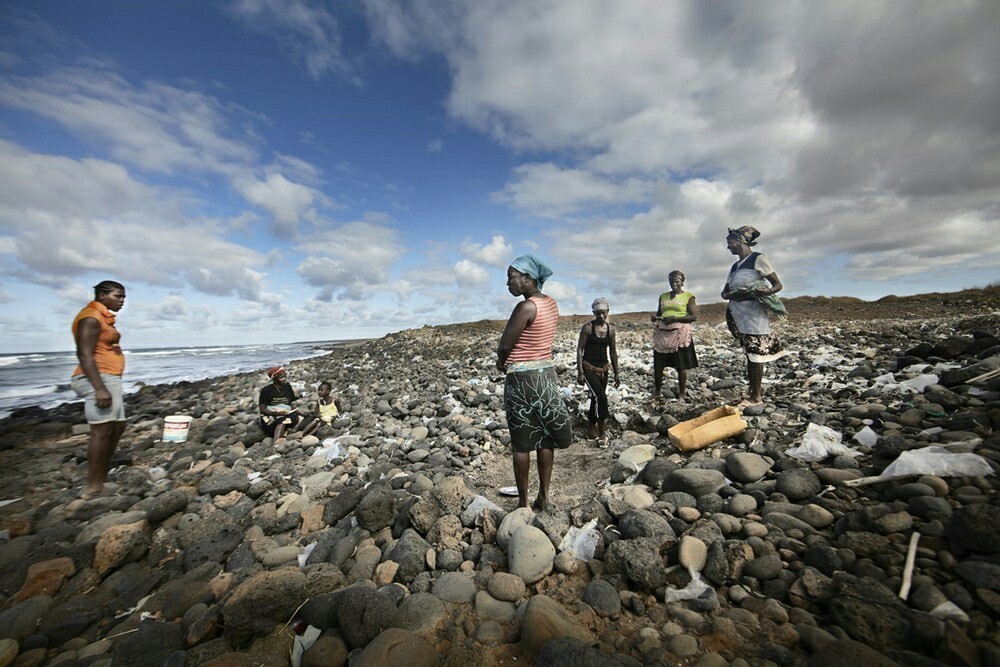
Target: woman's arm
x,y
776,285
613,349
523,315
581,345
653,318
87,332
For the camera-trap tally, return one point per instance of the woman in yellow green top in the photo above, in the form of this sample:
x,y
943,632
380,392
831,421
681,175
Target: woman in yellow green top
x,y
673,344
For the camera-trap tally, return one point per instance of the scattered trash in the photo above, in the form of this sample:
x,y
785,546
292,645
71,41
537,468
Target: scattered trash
x,y
4,503
581,542
866,436
508,491
329,449
715,425
936,461
920,382
304,556
949,611
818,443
303,643
693,590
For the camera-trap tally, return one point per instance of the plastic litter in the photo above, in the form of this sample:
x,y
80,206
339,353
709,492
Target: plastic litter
x,y
949,611
866,436
581,542
930,461
473,513
303,643
693,590
304,556
937,461
820,442
329,449
920,382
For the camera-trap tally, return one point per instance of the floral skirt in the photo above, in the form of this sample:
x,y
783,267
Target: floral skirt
x,y
759,348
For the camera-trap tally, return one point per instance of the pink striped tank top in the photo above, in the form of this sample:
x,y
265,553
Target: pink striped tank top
x,y
536,339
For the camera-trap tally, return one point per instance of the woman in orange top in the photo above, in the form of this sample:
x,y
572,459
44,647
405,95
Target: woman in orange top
x,y
98,379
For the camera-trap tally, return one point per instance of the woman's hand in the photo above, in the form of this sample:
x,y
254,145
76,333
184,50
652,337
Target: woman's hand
x,y
580,378
102,397
618,381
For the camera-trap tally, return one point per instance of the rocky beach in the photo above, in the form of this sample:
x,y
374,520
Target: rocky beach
x,y
804,540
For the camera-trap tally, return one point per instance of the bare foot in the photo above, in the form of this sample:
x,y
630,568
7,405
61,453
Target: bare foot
x,y
541,505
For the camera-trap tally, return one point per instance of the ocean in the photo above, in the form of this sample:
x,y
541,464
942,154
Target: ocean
x,y
42,378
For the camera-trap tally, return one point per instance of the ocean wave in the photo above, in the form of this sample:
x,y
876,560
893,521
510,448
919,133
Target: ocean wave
x,y
9,361
23,392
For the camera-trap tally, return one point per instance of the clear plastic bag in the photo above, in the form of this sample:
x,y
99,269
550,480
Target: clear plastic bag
x,y
582,541
818,443
937,461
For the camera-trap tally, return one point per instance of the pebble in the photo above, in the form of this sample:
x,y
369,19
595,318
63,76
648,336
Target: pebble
x,y
388,533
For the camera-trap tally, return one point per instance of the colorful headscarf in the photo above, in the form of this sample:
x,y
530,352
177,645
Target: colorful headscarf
x,y
745,234
677,272
600,302
274,370
534,267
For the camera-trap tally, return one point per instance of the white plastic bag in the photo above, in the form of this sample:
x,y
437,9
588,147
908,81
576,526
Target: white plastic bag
x,y
581,542
818,443
920,382
693,590
937,461
866,436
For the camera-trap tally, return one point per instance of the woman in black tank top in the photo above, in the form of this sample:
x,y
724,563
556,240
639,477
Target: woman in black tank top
x,y
596,344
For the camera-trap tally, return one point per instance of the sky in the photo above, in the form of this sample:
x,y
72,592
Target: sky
x,y
285,170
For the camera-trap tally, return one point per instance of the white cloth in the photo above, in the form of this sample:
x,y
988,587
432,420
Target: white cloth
x,y
751,315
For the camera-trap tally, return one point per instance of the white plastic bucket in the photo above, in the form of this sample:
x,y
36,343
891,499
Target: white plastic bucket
x,y
175,428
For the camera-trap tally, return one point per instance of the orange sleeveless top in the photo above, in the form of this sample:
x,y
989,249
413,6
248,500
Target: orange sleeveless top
x,y
107,353
536,340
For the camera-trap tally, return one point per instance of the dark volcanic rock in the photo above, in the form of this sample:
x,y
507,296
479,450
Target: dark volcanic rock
x,y
639,560
871,613
213,549
976,528
377,509
363,613
149,645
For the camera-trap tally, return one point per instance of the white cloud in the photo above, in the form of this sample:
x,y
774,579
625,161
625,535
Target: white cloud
x,y
350,261
851,133
288,203
73,217
435,146
497,253
549,191
155,127
470,274
305,30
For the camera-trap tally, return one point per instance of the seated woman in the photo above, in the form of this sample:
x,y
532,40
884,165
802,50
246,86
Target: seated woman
x,y
597,340
673,344
275,404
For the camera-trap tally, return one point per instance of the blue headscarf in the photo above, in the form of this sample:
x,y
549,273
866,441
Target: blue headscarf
x,y
534,267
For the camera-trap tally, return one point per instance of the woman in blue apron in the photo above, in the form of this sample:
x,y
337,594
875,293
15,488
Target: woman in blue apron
x,y
750,287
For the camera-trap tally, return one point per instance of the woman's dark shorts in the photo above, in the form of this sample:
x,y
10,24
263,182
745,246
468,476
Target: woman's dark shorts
x,y
536,413
269,424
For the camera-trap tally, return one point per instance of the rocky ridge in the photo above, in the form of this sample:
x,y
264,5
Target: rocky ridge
x,y
394,543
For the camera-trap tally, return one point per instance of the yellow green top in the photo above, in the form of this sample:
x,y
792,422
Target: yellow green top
x,y
676,307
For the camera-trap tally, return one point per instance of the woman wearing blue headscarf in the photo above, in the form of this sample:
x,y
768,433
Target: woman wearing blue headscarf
x,y
536,414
